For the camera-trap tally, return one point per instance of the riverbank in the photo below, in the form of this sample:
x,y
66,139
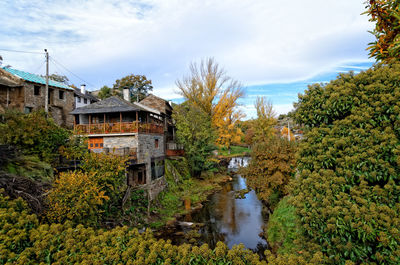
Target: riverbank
x,y
184,193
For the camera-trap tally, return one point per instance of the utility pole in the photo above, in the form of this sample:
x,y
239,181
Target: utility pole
x,y
46,93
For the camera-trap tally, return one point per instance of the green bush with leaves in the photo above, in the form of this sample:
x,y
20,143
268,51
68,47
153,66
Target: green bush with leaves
x,y
32,133
23,240
271,168
348,190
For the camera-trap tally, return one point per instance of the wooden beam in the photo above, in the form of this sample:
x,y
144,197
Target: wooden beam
x,y
90,121
120,122
104,123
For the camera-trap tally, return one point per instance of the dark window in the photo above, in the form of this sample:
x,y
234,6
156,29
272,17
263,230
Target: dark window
x,y
85,100
79,100
96,145
60,94
101,145
28,109
156,143
91,145
36,90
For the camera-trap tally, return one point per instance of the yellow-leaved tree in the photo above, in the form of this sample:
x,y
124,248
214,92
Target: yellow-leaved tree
x,y
209,88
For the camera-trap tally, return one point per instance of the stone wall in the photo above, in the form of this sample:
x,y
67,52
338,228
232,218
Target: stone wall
x,y
59,108
130,141
15,98
147,146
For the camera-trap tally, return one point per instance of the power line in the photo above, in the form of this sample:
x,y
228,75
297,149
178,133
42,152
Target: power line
x,y
7,50
59,64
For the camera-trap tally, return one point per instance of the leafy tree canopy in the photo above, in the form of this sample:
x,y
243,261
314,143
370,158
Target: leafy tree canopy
x,y
195,132
386,15
347,192
210,89
138,85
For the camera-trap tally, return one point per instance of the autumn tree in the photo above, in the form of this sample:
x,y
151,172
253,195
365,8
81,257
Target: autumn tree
x,y
287,133
263,125
210,89
138,85
386,16
195,132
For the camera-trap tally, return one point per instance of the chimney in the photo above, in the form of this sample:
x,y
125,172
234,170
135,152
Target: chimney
x,y
83,89
127,95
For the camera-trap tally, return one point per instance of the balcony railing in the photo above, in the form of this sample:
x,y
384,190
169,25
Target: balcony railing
x,y
118,127
125,151
174,149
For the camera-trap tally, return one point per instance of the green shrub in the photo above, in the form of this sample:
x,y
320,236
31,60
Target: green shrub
x,y
348,190
33,133
283,227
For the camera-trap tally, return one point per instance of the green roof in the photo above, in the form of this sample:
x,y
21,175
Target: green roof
x,y
35,78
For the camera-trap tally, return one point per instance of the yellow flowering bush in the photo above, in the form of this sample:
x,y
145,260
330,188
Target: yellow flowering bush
x,y
75,196
23,240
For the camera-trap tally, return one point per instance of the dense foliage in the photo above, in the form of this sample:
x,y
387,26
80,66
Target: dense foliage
x,y
348,190
386,15
33,133
195,132
23,240
77,197
271,167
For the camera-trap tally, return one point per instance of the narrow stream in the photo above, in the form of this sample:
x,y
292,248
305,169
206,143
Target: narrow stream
x,y
228,216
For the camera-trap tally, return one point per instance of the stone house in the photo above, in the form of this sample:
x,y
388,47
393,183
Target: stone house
x,y
165,108
25,92
83,97
119,127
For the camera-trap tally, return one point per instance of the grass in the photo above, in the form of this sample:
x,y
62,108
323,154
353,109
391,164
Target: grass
x,y
170,201
283,227
235,151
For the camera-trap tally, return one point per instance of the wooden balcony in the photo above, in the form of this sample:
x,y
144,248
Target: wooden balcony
x,y
174,149
117,127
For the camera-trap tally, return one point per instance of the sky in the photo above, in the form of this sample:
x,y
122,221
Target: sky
x,y
274,48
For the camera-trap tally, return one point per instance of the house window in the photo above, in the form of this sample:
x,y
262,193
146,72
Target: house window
x,y
36,90
85,100
79,100
95,143
60,94
156,143
28,109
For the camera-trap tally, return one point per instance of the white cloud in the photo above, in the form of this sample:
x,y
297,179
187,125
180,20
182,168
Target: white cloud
x,y
257,42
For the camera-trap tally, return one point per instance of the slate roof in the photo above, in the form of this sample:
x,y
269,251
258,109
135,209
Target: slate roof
x,y
87,95
35,78
109,105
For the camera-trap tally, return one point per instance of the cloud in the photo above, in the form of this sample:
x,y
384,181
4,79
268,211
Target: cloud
x,y
257,42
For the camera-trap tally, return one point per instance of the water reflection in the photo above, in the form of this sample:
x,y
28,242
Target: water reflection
x,y
232,220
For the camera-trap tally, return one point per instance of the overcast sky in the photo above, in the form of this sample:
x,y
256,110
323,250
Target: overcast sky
x,y
275,48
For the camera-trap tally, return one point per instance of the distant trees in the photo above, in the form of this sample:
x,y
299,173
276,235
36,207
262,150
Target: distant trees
x,y
139,86
386,15
210,89
273,157
105,92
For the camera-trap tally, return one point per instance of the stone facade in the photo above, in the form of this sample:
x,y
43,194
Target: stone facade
x,y
120,141
21,96
148,146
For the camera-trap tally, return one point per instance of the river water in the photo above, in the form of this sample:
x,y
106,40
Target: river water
x,y
228,216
